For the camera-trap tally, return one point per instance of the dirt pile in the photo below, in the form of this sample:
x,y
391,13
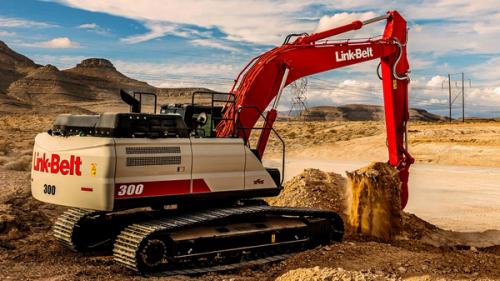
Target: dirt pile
x,y
373,201
329,274
313,188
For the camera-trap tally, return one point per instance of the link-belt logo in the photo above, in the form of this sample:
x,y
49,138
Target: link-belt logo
x,y
356,54
54,164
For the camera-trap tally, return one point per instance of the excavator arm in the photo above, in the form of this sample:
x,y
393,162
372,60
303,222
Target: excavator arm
x,y
264,78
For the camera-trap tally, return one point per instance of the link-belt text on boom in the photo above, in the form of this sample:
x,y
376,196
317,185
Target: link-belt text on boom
x,y
356,54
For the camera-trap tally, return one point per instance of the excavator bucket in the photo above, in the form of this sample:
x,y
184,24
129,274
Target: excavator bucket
x,y
374,201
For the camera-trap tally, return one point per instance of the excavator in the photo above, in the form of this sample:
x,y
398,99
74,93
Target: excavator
x,y
180,192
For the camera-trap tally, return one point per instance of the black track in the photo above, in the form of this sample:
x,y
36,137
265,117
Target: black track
x,y
130,236
130,243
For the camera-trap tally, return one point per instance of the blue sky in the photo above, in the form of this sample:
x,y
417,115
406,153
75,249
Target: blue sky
x,y
205,43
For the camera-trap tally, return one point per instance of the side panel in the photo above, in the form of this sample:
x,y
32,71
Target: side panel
x,y
152,167
256,175
74,171
220,162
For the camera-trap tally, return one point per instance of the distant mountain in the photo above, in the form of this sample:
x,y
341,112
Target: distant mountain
x,y
363,112
25,85
13,66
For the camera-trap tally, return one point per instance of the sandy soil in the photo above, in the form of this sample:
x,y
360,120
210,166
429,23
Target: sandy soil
x,y
28,251
470,144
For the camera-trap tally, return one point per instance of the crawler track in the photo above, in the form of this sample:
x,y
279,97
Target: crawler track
x,y
66,228
165,243
145,247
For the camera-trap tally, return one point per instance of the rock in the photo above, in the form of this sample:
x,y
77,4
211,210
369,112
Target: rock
x,y
328,274
96,62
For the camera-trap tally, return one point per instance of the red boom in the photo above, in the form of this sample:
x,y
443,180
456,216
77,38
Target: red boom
x,y
266,75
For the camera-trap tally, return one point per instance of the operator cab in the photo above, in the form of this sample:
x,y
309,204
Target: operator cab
x,y
201,120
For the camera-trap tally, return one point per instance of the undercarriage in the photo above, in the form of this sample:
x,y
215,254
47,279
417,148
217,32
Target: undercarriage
x,y
169,242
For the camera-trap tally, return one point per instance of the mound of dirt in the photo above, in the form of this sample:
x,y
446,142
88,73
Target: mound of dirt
x,y
313,188
329,274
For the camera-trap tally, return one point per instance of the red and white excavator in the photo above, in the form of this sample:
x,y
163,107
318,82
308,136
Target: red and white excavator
x,y
195,167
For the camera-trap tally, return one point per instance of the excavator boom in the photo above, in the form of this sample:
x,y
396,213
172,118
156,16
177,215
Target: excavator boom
x,y
264,78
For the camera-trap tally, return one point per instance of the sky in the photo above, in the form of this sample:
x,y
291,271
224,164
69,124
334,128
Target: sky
x,y
170,43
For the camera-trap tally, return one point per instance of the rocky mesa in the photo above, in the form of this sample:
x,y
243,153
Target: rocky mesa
x,y
363,112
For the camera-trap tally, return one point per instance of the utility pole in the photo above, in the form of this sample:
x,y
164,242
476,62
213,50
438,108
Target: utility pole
x,y
449,92
463,99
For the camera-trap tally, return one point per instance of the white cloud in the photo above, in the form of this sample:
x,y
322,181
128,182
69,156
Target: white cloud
x,y
216,76
335,20
22,23
156,29
253,21
7,33
486,72
56,43
433,101
419,62
94,27
88,26
354,83
437,81
489,96
211,43
61,62
268,22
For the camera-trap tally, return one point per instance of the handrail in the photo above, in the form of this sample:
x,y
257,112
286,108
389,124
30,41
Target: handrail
x,y
238,127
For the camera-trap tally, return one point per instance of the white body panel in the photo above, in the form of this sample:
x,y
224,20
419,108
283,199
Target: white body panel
x,y
220,162
86,190
117,171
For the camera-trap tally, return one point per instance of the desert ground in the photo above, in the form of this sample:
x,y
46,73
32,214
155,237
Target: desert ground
x,y
454,190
